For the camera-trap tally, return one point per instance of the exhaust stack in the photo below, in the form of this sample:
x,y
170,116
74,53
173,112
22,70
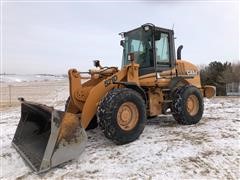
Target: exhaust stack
x,y
179,52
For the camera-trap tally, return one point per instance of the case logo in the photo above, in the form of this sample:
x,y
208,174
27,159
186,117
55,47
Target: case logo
x,y
192,72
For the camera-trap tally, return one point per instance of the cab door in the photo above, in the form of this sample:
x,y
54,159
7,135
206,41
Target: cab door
x,y
164,50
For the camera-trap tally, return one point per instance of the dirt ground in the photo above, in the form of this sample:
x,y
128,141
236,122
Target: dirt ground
x,y
165,150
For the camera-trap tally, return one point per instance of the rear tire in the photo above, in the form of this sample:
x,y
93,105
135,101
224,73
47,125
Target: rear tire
x,y
122,115
93,123
187,106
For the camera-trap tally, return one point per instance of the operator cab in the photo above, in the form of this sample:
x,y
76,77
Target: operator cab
x,y
153,48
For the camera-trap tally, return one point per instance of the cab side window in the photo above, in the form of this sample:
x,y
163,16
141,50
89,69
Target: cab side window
x,y
162,49
142,50
136,46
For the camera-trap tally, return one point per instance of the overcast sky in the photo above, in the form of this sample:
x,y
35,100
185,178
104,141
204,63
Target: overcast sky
x,y
51,37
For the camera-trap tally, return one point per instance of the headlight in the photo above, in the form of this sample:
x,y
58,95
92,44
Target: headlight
x,y
146,28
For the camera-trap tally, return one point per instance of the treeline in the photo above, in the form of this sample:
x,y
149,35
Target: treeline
x,y
219,74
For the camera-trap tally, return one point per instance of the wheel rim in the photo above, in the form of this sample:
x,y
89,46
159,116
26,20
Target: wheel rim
x,y
192,105
127,116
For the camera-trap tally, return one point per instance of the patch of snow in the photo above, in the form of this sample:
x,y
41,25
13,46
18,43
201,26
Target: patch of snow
x,y
165,150
28,78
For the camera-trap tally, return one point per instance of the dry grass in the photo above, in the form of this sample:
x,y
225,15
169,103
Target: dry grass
x,y
31,91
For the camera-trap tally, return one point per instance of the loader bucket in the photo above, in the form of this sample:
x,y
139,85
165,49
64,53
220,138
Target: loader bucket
x,y
46,137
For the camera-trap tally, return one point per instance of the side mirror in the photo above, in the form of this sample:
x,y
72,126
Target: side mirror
x,y
122,43
96,63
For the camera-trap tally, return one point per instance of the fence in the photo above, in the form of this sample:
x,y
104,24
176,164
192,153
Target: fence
x,y
44,92
233,89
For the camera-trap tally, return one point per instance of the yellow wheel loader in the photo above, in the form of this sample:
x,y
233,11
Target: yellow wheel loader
x,y
151,81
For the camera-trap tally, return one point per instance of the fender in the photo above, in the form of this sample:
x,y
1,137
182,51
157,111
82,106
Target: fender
x,y
135,87
177,81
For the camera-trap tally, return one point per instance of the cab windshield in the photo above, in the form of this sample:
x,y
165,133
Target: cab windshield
x,y
139,42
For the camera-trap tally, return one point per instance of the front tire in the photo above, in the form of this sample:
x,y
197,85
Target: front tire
x,y
122,115
187,106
